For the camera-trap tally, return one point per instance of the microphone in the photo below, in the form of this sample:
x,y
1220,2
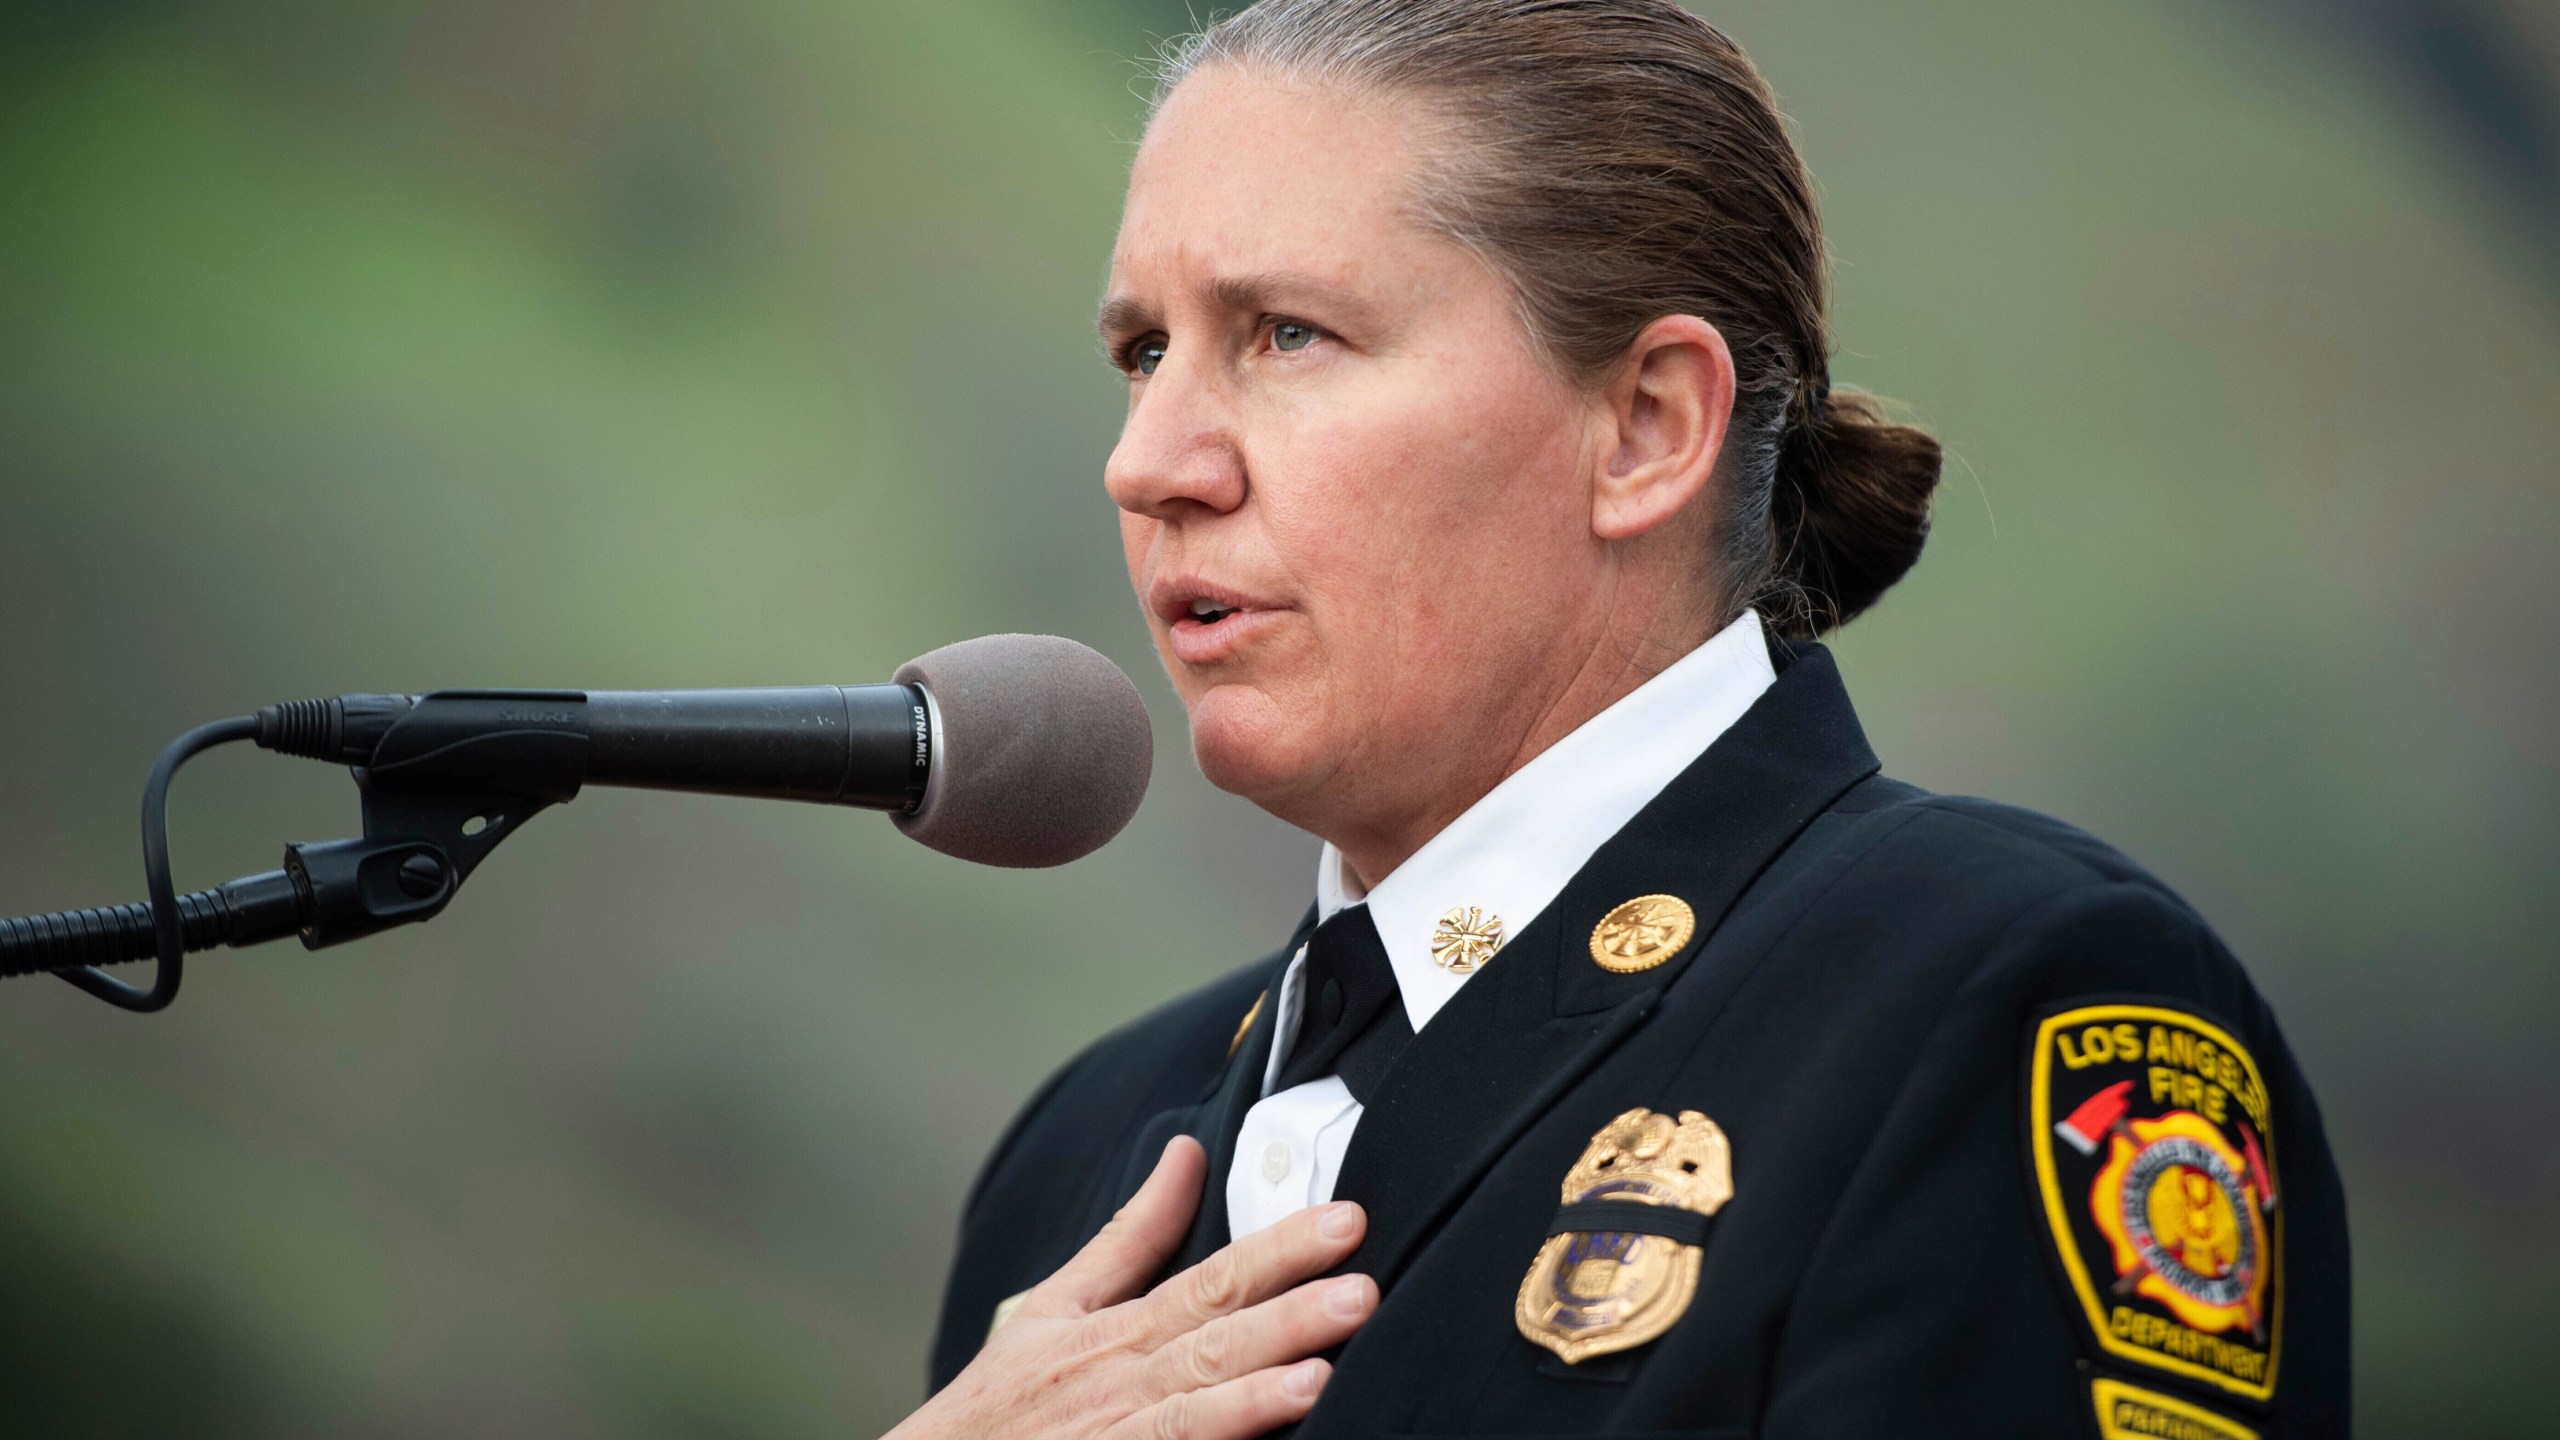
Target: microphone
x,y
1014,750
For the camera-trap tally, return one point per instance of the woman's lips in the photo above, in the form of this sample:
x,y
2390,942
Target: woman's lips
x,y
1205,620
1205,639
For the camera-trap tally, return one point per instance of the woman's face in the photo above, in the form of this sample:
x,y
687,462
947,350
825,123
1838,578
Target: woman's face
x,y
1355,500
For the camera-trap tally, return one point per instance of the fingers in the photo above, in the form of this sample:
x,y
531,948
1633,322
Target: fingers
x,y
1253,1269
1117,1263
1237,1410
1311,1318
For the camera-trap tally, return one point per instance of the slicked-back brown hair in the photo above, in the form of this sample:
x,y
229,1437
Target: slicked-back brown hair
x,y
1619,161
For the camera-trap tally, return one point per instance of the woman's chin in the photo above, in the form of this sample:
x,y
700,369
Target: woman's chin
x,y
1250,746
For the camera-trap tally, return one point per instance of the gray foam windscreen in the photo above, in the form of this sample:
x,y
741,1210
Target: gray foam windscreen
x,y
1044,754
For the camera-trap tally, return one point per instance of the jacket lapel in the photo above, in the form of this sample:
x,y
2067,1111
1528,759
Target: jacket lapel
x,y
1515,1040
1215,1125
1219,1117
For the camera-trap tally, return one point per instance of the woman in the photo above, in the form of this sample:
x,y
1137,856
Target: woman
x,y
1648,1063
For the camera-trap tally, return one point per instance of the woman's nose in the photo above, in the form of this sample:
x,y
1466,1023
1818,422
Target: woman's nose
x,y
1179,451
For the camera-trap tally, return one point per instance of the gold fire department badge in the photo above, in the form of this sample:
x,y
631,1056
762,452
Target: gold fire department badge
x,y
1620,1264
2155,1158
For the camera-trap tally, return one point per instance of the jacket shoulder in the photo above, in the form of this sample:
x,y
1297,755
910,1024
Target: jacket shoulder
x,y
1971,847
1993,900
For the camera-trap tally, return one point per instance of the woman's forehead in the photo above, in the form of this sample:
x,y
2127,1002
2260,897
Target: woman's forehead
x,y
1249,176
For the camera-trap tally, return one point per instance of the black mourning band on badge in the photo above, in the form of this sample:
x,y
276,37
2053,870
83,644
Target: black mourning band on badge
x,y
1632,1217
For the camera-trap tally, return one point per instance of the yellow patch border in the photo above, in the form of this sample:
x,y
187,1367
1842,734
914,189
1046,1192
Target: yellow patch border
x,y
2105,1394
2040,1109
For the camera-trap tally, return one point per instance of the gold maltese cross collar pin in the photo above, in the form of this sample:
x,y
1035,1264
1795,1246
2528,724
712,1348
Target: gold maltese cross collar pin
x,y
1465,938
1620,1263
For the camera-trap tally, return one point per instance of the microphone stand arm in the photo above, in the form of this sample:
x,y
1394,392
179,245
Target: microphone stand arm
x,y
429,820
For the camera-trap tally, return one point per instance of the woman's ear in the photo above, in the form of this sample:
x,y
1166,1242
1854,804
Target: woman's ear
x,y
1663,419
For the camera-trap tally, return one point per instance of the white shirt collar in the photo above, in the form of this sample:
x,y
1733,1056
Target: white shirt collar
x,y
1511,853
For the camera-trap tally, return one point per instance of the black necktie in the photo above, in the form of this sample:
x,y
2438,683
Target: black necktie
x,y
1351,1021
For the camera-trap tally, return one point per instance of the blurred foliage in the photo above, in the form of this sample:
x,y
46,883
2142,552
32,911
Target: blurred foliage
x,y
548,343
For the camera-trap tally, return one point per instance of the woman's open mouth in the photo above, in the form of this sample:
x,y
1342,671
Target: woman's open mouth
x,y
1205,625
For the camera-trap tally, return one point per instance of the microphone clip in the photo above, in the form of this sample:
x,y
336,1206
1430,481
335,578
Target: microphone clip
x,y
418,848
445,778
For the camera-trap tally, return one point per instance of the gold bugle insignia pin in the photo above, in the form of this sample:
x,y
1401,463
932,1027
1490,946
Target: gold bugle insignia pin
x,y
1642,933
1600,1290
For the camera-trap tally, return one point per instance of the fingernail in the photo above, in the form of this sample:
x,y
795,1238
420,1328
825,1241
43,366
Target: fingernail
x,y
1339,1222
1303,1382
1348,1296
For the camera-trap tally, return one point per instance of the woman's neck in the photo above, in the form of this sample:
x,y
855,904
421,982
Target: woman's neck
x,y
1374,843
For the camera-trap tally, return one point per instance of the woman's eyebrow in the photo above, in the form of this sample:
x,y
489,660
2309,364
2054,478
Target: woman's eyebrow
x,y
1261,292
1122,315
1281,290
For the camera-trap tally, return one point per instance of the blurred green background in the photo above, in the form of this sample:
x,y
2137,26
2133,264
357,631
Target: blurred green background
x,y
561,343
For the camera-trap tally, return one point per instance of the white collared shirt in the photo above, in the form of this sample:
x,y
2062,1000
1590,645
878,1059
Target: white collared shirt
x,y
1509,856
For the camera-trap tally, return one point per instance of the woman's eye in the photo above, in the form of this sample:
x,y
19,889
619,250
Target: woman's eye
x,y
1146,355
1290,335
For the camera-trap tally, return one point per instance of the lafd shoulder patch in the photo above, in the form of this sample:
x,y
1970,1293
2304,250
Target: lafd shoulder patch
x,y
2155,1153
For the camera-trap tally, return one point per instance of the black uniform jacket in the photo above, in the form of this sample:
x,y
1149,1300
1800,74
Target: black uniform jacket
x,y
1989,1090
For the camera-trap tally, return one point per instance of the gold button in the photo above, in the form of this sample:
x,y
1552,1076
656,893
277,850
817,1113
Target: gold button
x,y
1642,933
1465,938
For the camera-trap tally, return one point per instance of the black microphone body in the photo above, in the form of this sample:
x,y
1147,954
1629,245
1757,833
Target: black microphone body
x,y
870,746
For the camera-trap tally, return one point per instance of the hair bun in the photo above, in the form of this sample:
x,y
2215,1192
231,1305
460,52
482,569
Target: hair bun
x,y
1849,513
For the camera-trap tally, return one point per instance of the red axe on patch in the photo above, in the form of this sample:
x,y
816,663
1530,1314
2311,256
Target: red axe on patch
x,y
2097,1115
